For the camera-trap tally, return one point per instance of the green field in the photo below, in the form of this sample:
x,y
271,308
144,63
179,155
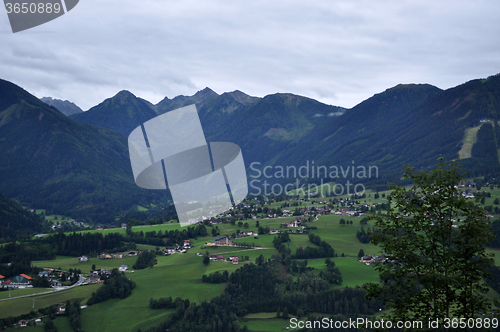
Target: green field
x,y
258,325
179,275
17,307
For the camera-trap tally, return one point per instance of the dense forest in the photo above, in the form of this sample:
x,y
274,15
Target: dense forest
x,y
16,221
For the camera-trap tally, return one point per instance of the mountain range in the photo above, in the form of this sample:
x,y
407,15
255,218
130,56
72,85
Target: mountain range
x,y
64,106
79,163
54,162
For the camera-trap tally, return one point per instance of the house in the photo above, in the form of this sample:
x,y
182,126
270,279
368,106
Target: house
x,y
170,250
120,255
187,244
61,309
132,253
83,259
274,231
94,278
220,257
23,323
290,224
55,283
213,257
1,279
235,260
124,225
20,280
123,268
223,241
216,221
105,256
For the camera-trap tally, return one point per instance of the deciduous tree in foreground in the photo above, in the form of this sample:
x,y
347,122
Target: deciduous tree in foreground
x,y
434,239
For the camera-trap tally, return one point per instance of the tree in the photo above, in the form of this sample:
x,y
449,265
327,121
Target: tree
x,y
284,315
435,241
50,326
206,260
361,253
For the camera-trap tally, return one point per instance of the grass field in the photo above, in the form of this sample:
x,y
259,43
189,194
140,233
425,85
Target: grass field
x,y
180,275
261,325
23,292
469,139
17,307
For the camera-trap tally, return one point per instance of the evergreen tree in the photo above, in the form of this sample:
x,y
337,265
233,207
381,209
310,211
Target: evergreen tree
x,y
361,253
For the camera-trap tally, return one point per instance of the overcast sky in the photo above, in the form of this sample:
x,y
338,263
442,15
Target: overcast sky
x,y
338,52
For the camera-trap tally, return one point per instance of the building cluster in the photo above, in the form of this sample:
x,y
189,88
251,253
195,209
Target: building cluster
x,y
370,260
221,258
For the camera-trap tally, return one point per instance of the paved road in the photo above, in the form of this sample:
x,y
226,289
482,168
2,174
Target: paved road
x,y
59,289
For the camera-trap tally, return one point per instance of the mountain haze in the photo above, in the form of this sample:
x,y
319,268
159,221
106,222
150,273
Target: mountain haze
x,y
64,106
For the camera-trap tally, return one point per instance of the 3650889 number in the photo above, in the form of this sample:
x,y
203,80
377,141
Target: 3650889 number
x,y
32,8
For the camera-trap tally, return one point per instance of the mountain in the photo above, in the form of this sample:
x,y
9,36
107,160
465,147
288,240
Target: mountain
x,y
50,160
267,127
218,111
54,162
410,124
121,113
15,220
64,106
200,98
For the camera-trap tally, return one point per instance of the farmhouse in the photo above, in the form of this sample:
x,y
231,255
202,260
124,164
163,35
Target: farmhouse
x,y
83,259
216,221
94,278
169,250
105,256
290,224
223,241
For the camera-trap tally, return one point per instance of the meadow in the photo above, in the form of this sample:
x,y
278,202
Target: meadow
x,y
179,275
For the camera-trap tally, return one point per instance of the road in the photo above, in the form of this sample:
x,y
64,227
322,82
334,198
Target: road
x,y
80,281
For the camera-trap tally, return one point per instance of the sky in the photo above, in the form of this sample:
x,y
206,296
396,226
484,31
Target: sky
x,y
338,52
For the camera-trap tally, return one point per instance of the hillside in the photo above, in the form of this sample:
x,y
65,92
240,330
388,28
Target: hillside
x,y
407,124
15,220
51,161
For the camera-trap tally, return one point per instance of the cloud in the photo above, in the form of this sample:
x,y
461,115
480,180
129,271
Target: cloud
x,y
340,53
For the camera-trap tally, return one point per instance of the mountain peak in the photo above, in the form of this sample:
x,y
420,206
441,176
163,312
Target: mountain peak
x,y
66,107
206,92
125,94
